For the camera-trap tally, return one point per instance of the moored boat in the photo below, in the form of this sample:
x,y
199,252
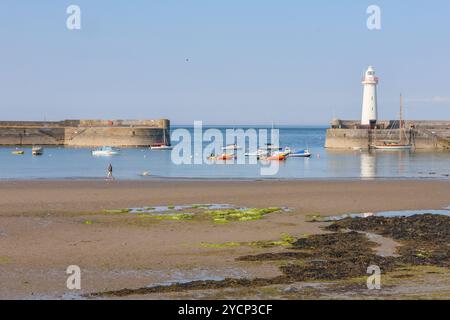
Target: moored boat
x,y
105,152
272,147
232,147
287,151
277,157
403,143
258,153
18,152
161,147
300,154
37,151
225,157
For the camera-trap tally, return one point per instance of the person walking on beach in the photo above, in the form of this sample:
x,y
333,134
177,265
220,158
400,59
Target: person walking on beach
x,y
110,172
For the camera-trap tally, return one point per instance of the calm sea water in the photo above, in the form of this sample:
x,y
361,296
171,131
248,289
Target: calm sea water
x,y
78,163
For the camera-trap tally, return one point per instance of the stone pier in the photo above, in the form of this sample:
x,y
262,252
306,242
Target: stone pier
x,y
425,135
85,133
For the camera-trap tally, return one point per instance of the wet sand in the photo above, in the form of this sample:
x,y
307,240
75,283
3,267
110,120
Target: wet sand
x,y
306,196
46,226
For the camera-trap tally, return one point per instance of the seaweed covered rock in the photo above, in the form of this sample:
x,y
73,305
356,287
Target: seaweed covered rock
x,y
328,257
425,238
427,227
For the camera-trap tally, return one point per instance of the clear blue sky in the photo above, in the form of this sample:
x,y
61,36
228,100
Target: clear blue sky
x,y
250,61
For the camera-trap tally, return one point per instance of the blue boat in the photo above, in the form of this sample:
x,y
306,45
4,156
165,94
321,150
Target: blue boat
x,y
300,154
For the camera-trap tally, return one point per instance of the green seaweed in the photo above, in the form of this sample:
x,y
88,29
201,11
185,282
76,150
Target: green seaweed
x,y
220,216
286,241
117,211
221,245
315,218
177,216
5,260
230,215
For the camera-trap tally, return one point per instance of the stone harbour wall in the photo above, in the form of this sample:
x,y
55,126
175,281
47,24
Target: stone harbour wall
x,y
422,137
85,133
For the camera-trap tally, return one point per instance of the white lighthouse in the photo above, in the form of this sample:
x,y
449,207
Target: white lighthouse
x,y
369,107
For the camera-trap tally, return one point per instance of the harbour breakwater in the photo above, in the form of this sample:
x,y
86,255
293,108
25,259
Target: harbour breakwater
x,y
85,133
425,135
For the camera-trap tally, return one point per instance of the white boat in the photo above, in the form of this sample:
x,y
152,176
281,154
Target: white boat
x,y
271,147
105,152
402,144
232,147
279,153
37,151
300,154
269,151
258,153
162,146
287,151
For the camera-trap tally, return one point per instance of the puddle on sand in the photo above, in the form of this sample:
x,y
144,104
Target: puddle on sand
x,y
184,281
175,277
389,214
200,274
183,209
181,275
386,246
172,209
166,209
44,296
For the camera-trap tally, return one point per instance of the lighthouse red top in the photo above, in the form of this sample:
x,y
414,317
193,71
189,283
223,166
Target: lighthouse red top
x,y
370,77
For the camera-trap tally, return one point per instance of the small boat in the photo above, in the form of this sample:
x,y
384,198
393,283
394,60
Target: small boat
x,y
259,153
277,157
403,143
287,151
225,157
300,154
105,152
271,147
18,152
37,151
232,147
161,147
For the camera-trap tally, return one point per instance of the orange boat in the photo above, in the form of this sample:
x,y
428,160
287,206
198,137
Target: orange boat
x,y
225,156
277,157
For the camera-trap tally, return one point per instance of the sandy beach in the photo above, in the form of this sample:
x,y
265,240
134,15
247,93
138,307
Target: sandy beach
x,y
46,226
